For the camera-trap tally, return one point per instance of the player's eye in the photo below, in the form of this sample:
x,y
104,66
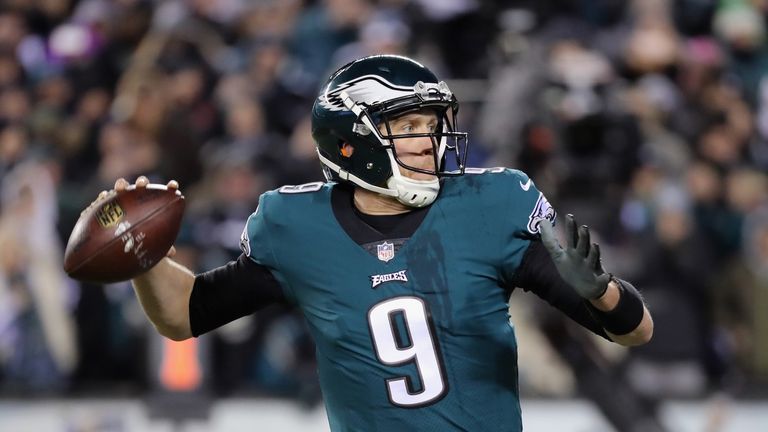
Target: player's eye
x,y
407,128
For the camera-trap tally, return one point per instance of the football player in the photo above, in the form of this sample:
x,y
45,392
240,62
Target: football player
x,y
402,262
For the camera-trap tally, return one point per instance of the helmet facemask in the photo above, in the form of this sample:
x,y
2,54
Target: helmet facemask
x,y
445,140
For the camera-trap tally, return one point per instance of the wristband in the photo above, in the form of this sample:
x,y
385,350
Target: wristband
x,y
627,314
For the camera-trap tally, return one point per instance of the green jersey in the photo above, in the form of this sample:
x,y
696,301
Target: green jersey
x,y
414,338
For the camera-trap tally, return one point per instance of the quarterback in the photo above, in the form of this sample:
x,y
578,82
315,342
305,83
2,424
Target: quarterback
x,y
402,263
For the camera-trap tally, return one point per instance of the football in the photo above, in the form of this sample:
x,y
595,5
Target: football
x,y
124,234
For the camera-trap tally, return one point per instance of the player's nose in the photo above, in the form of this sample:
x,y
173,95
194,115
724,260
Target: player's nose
x,y
420,149
423,146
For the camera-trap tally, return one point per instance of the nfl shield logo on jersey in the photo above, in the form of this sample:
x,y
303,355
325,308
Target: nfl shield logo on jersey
x,y
385,251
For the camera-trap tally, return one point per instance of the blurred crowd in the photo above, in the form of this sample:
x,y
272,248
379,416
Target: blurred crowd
x,y
647,119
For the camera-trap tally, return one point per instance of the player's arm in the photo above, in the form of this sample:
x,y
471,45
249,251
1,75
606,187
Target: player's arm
x,y
224,294
164,293
164,290
537,274
181,304
616,304
608,307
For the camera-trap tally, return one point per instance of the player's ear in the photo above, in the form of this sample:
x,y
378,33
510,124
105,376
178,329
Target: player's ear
x,y
346,149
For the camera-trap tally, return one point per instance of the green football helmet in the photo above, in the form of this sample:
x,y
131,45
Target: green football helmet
x,y
372,91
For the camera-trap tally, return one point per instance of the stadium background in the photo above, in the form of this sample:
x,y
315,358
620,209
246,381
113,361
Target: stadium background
x,y
647,119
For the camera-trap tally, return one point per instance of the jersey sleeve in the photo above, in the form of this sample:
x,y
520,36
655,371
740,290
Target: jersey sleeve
x,y
240,287
530,207
258,243
526,207
254,240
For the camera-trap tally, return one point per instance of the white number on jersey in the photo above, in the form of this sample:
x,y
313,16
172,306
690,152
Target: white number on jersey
x,y
495,170
422,351
302,188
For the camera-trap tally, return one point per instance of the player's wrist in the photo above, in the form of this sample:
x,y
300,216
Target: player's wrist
x,y
626,314
609,298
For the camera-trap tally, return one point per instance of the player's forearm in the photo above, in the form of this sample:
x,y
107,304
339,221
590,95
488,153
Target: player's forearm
x,y
164,295
608,302
640,335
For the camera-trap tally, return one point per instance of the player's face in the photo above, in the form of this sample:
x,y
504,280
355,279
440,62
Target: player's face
x,y
416,152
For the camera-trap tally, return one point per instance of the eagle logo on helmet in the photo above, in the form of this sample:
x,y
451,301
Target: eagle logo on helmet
x,y
367,89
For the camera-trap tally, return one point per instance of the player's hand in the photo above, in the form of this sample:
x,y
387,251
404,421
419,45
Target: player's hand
x,y
579,262
121,184
142,181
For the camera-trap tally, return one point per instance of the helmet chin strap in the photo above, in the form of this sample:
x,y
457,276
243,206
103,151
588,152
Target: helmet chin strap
x,y
410,192
414,193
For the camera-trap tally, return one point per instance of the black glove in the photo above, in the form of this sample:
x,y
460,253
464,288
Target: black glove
x,y
579,263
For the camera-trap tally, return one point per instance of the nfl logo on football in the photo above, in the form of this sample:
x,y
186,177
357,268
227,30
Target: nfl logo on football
x,y
385,251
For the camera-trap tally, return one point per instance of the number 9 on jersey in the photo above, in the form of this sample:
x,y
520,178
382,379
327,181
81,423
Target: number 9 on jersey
x,y
420,349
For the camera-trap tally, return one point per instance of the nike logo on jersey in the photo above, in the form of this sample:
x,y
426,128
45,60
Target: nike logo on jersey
x,y
377,280
526,186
